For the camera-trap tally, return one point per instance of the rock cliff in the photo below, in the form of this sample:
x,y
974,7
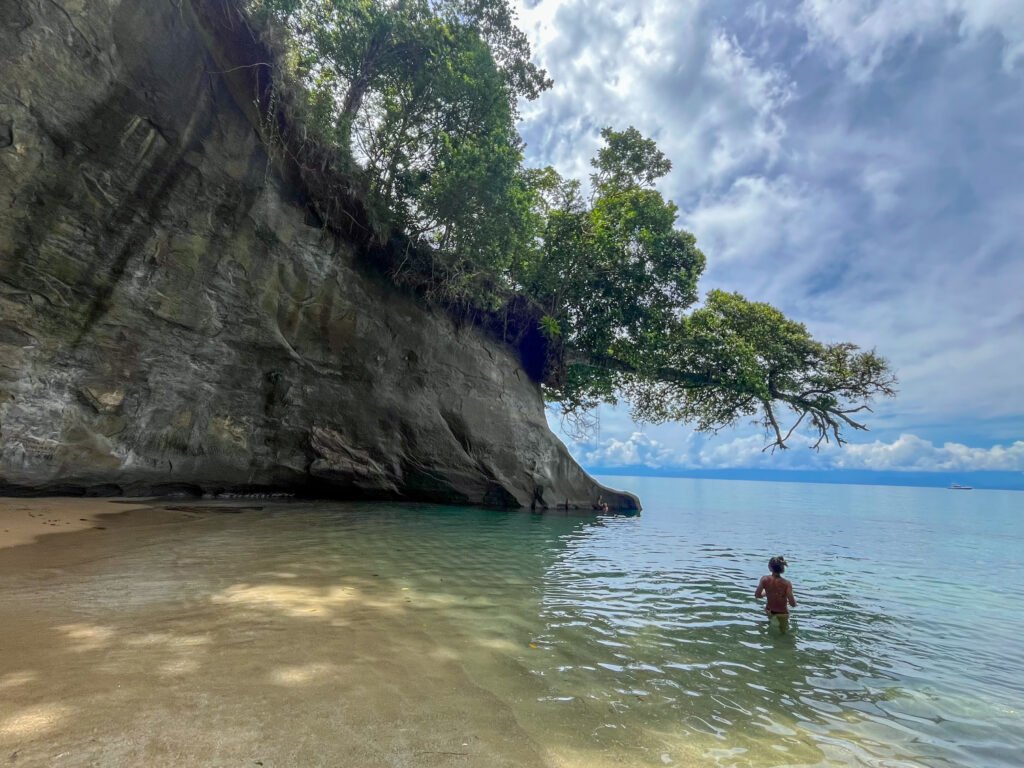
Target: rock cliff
x,y
174,318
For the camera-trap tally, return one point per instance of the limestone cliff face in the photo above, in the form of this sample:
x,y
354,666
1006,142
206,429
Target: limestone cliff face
x,y
173,318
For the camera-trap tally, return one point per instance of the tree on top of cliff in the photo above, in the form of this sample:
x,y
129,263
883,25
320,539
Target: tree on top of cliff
x,y
422,96
615,279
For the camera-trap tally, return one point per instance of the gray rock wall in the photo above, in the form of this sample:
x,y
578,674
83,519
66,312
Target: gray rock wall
x,y
172,318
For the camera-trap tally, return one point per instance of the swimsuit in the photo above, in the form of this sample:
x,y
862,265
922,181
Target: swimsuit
x,y
782,617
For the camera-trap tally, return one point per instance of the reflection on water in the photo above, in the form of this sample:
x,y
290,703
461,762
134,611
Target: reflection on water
x,y
393,635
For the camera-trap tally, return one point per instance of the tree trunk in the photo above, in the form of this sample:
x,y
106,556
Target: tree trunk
x,y
360,84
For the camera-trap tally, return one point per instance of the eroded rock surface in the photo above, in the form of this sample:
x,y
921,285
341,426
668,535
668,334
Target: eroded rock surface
x,y
173,318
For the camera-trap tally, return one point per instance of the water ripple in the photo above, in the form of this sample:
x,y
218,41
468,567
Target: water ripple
x,y
638,642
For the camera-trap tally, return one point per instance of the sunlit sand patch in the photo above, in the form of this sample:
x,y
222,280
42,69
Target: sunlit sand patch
x,y
16,679
167,639
445,654
182,666
439,599
87,637
390,606
291,600
33,721
185,650
501,644
303,674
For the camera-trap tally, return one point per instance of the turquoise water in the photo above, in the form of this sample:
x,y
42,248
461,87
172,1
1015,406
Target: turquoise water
x,y
616,641
908,642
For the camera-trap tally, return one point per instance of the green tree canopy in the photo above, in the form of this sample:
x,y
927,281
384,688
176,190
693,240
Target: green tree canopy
x,y
422,96
617,280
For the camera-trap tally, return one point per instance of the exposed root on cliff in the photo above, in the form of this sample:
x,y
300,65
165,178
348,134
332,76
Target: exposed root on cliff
x,y
250,58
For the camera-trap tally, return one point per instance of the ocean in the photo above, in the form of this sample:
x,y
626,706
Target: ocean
x,y
399,634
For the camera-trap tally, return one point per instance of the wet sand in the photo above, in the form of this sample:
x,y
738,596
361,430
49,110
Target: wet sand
x,y
119,649
23,521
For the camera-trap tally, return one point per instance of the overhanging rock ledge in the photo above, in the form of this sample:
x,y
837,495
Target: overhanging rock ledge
x,y
173,318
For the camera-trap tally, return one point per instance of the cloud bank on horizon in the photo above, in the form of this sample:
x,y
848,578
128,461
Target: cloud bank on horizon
x,y
856,163
907,453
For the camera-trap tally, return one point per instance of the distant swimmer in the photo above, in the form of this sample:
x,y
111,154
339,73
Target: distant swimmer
x,y
779,592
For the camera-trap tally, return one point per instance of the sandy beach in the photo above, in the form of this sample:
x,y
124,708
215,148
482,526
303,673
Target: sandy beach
x,y
23,521
28,520
121,648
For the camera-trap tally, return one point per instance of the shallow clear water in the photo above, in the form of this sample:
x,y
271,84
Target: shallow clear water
x,y
616,641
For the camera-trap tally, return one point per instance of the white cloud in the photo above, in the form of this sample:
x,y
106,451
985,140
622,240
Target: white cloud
x,y
905,454
754,216
864,32
910,452
881,183
738,452
665,67
764,236
636,450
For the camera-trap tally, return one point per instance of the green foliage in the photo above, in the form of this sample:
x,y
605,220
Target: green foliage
x,y
421,98
550,328
619,277
734,358
612,268
628,160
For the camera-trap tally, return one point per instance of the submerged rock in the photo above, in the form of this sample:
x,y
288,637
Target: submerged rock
x,y
174,319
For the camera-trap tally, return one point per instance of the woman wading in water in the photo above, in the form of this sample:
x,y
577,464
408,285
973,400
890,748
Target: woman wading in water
x,y
779,592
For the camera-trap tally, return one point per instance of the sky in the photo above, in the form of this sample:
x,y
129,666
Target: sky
x,y
859,164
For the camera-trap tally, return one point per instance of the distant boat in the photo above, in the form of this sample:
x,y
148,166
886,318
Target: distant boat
x,y
958,487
